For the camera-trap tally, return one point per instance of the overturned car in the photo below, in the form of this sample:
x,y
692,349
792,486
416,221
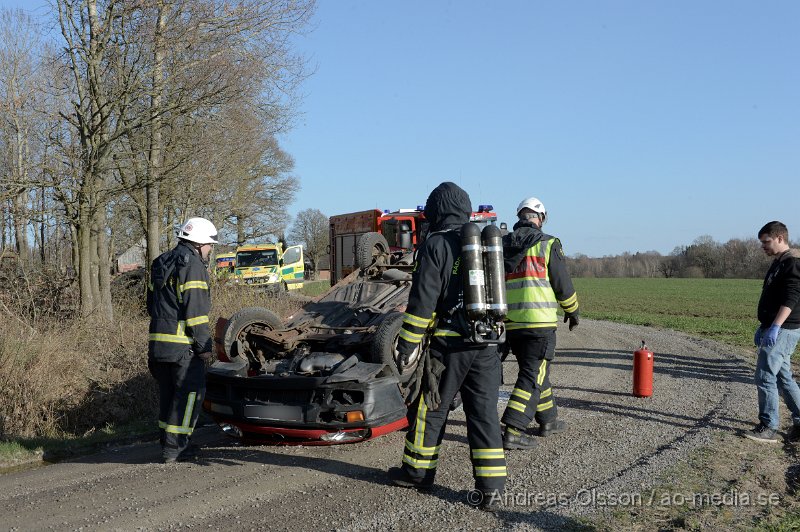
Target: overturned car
x,y
327,374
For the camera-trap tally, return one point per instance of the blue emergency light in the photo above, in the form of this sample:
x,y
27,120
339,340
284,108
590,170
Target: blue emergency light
x,y
420,207
485,208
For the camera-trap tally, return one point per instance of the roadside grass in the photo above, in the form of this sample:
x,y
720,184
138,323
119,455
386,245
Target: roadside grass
x,y
58,447
315,288
719,309
728,485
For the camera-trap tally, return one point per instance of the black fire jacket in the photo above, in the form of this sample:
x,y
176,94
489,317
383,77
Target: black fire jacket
x,y
437,285
178,301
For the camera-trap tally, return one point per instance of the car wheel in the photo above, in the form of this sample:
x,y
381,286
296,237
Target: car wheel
x,y
369,248
384,347
242,320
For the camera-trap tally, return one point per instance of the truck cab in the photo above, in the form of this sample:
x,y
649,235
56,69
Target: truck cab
x,y
224,265
404,230
270,266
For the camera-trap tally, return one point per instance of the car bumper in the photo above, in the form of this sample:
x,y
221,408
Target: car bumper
x,y
303,410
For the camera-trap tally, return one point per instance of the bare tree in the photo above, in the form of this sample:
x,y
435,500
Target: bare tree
x,y
311,227
138,68
21,85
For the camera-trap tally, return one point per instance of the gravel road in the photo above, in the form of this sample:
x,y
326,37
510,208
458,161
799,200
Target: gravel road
x,y
615,448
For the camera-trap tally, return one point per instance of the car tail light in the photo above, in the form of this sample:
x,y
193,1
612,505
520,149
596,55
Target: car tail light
x,y
355,415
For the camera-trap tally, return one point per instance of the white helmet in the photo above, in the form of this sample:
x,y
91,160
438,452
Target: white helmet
x,y
199,231
535,205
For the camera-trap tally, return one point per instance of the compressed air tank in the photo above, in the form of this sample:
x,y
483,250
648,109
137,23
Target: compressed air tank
x,y
492,239
473,274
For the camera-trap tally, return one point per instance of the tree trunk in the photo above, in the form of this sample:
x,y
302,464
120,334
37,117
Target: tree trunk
x,y
104,267
84,260
95,265
156,141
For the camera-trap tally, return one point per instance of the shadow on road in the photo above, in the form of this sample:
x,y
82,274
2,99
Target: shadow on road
x,y
678,366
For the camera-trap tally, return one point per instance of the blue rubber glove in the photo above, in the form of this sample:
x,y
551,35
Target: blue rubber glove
x,y
771,336
757,337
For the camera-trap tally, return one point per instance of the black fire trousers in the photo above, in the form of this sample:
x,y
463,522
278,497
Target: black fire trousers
x,y
476,373
532,397
181,387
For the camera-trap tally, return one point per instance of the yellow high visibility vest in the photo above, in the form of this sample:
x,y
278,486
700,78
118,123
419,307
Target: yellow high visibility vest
x,y
531,300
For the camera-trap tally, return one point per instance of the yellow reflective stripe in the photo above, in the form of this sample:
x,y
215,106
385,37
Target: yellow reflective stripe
x,y
490,471
416,320
546,393
202,285
170,338
545,406
187,415
542,373
570,304
425,451
511,325
174,429
191,322
420,464
410,337
162,424
515,405
521,393
488,454
419,429
445,332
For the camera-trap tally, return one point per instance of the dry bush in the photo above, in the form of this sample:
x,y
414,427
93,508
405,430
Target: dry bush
x,y
227,298
36,293
41,378
71,376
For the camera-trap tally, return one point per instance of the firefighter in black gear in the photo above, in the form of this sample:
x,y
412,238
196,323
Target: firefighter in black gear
x,y
435,307
537,284
178,301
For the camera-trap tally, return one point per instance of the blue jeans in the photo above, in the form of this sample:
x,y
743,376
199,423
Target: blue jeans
x,y
773,372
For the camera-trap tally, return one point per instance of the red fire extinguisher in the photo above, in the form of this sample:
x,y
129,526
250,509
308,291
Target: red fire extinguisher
x,y
643,372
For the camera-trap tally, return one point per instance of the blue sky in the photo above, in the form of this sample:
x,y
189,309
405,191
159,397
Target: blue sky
x,y
641,125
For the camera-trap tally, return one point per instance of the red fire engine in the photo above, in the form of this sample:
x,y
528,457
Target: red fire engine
x,y
403,229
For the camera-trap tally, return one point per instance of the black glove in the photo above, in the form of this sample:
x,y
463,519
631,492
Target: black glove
x,y
572,318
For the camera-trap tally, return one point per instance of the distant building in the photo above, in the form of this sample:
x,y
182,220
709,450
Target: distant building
x,y
132,258
323,268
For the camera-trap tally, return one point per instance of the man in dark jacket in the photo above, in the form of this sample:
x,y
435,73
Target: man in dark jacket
x,y
537,284
178,302
435,308
777,335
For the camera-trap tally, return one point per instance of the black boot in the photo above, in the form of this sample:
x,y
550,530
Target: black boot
x,y
399,477
552,427
516,439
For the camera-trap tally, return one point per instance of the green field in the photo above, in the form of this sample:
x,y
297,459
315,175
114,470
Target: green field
x,y
720,309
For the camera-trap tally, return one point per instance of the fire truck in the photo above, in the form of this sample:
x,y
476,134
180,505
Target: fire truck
x,y
403,230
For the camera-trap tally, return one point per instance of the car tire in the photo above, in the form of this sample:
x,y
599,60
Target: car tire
x,y
369,247
242,319
384,347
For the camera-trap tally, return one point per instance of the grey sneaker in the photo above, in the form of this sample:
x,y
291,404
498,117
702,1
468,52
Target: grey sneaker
x,y
763,434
